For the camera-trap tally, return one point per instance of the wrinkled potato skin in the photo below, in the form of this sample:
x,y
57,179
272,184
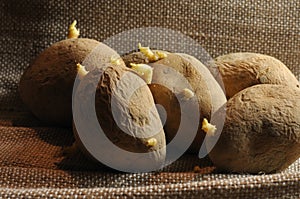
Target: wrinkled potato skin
x,y
261,132
135,58
46,85
216,91
140,103
242,70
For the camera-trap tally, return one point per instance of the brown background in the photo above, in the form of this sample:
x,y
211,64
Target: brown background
x,y
27,27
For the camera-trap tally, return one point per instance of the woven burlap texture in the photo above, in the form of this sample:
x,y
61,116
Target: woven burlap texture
x,y
31,160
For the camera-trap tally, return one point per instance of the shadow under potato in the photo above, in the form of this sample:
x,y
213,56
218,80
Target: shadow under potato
x,y
75,160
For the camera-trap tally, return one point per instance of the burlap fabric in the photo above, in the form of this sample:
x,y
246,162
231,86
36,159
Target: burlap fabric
x,y
31,160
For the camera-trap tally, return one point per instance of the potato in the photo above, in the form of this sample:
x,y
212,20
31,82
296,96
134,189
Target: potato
x,y
191,71
261,131
241,70
207,90
46,85
140,120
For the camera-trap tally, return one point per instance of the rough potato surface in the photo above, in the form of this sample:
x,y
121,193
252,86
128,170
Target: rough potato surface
x,y
217,93
199,87
140,103
135,58
261,132
241,70
46,85
207,90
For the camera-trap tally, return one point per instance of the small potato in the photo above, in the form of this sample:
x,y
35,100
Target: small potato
x,y
46,85
242,70
261,131
131,122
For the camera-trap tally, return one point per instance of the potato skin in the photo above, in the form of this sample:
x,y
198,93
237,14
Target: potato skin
x,y
139,58
135,58
209,93
46,85
242,70
140,103
216,91
199,86
261,131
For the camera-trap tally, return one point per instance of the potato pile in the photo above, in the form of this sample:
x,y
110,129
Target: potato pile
x,y
262,122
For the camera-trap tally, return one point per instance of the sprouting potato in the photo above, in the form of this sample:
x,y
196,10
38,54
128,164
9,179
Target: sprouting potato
x,y
204,87
46,85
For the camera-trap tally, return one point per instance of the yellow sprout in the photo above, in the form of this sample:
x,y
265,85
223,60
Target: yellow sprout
x,y
73,31
81,71
115,60
145,71
187,93
152,56
151,142
161,54
148,53
208,128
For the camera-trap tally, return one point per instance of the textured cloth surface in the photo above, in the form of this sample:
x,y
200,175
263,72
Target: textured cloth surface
x,y
31,158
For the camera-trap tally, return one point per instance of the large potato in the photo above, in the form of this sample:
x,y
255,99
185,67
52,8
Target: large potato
x,y
261,131
241,70
209,94
117,114
206,89
46,85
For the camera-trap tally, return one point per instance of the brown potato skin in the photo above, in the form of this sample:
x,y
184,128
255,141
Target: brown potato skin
x,y
140,104
210,95
261,131
242,70
165,97
199,85
135,58
216,91
46,85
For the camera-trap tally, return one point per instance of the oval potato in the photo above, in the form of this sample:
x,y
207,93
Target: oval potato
x,y
46,85
242,70
126,122
261,131
207,90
